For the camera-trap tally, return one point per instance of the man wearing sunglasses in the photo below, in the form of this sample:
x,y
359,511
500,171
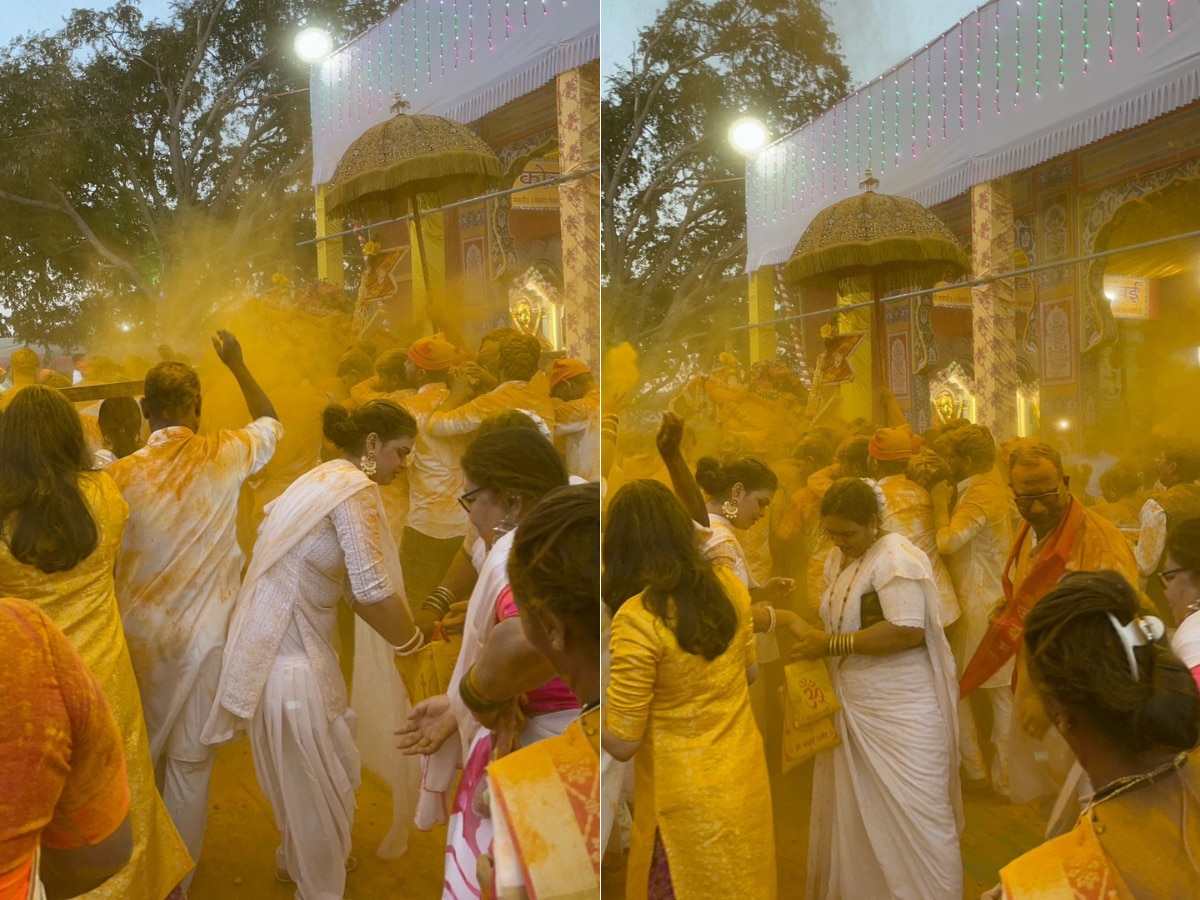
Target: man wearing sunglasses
x,y
1058,535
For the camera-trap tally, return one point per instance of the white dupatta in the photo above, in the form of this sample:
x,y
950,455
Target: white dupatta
x,y
439,767
258,626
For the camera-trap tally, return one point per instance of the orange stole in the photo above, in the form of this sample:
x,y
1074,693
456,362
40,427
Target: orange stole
x,y
1071,867
1004,633
549,793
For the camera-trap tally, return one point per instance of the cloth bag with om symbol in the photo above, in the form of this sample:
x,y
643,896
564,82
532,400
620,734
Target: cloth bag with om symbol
x,y
808,707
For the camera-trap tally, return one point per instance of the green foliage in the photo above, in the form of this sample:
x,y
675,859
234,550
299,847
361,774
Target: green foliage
x,y
150,168
673,204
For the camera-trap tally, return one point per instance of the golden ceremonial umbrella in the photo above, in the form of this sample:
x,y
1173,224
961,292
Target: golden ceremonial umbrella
x,y
876,234
409,155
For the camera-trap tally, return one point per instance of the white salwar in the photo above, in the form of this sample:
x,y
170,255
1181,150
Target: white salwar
x,y
887,809
280,676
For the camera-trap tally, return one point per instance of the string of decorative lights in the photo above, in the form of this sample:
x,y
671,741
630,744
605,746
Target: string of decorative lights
x,y
912,122
1111,59
1017,56
978,67
1062,43
896,110
1139,25
1037,63
1087,47
962,68
1170,18
996,53
945,80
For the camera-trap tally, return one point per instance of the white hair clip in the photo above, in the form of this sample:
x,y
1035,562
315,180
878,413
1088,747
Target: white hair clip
x,y
1140,632
539,422
880,497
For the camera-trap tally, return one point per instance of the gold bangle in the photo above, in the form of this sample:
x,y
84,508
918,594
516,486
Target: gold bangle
x,y
851,642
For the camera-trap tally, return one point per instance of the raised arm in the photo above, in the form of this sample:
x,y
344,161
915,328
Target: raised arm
x,y
670,434
230,353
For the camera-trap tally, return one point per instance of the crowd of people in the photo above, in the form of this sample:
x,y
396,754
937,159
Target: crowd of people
x,y
175,585
897,594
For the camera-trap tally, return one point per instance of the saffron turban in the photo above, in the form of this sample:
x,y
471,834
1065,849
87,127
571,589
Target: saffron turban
x,y
562,369
433,354
889,444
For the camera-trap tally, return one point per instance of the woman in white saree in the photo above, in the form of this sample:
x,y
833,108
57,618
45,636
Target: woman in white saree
x,y
887,808
325,537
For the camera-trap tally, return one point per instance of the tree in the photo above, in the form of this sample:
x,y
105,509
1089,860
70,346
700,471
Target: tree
x,y
673,204
149,168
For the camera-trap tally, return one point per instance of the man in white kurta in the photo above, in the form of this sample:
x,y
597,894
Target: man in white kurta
x,y
180,566
975,540
436,522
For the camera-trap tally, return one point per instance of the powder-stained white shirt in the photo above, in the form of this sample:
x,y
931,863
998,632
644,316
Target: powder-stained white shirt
x,y
180,567
435,479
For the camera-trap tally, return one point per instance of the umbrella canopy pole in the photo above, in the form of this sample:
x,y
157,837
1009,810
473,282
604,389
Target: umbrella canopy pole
x,y
416,214
878,349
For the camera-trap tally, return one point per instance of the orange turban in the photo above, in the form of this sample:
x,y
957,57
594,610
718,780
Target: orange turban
x,y
433,354
889,444
562,369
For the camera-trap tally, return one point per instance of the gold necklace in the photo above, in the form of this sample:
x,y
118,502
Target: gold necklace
x,y
846,595
1127,783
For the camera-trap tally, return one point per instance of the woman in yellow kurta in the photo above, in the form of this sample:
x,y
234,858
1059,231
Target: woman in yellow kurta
x,y
679,704
53,556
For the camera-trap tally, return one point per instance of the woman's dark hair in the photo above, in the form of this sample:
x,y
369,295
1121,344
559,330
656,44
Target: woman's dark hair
x,y
718,480
120,421
650,545
515,461
43,516
348,431
555,559
1183,544
852,499
1075,656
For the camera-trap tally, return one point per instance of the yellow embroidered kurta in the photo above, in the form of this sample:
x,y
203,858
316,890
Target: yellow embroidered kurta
x,y
82,604
700,773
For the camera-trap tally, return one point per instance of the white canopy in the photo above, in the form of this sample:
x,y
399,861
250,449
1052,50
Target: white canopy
x,y
977,104
459,59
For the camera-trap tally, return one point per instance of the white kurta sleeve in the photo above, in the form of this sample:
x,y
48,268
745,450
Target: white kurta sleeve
x,y
358,526
1152,539
903,602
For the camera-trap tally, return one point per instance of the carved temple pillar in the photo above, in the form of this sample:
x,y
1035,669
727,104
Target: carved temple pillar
x,y
992,307
579,210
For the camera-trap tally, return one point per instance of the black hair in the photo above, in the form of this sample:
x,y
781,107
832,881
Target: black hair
x,y
555,558
171,387
852,499
515,461
1075,655
1183,544
43,515
650,546
718,480
348,431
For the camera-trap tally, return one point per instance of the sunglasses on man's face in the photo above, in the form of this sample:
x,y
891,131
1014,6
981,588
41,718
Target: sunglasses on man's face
x,y
1029,499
